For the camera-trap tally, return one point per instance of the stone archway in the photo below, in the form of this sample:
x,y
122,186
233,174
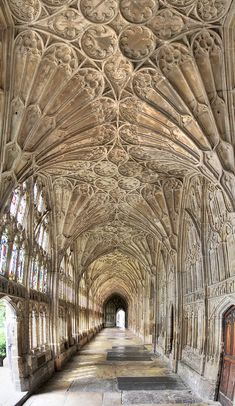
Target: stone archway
x,y
10,333
120,318
112,305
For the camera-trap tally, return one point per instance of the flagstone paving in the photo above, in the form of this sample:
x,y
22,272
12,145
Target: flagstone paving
x,y
112,370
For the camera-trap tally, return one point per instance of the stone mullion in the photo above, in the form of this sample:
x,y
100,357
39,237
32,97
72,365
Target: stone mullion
x,y
93,314
179,300
54,291
140,306
19,246
56,323
9,253
204,247
77,290
83,320
146,309
155,302
87,308
40,265
31,237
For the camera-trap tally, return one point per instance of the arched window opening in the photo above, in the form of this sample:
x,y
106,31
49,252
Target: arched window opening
x,y
13,261
18,204
21,209
40,264
67,331
3,252
13,237
34,273
120,318
67,278
21,264
15,202
16,237
9,370
34,342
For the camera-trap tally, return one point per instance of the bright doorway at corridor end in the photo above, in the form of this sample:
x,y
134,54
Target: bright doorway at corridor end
x,y
120,318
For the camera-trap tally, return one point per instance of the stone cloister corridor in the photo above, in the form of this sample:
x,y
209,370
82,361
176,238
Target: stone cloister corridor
x,y
93,379
117,197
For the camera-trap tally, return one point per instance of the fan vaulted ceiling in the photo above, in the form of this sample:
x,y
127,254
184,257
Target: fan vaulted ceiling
x,y
116,104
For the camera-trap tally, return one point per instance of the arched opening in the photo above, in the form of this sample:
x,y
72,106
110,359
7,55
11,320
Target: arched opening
x,y
112,306
120,318
9,369
227,376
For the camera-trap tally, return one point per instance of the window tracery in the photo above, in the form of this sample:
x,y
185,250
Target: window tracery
x,y
13,236
18,204
41,261
13,261
67,278
16,237
21,263
3,252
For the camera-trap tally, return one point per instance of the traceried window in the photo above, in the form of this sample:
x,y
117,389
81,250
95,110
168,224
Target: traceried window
x,y
39,275
21,264
41,204
18,204
21,211
12,254
62,279
42,236
13,261
34,273
15,202
66,279
16,237
43,278
41,218
45,281
41,262
39,200
3,252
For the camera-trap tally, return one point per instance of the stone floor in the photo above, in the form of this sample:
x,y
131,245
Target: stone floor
x,y
89,379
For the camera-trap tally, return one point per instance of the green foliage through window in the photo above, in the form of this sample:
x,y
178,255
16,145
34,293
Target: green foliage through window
x,y
2,331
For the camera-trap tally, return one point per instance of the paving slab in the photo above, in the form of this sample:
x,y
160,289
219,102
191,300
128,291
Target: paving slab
x,y
158,397
150,383
131,356
91,385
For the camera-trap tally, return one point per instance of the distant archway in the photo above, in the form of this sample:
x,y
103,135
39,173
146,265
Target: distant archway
x,y
111,306
120,318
